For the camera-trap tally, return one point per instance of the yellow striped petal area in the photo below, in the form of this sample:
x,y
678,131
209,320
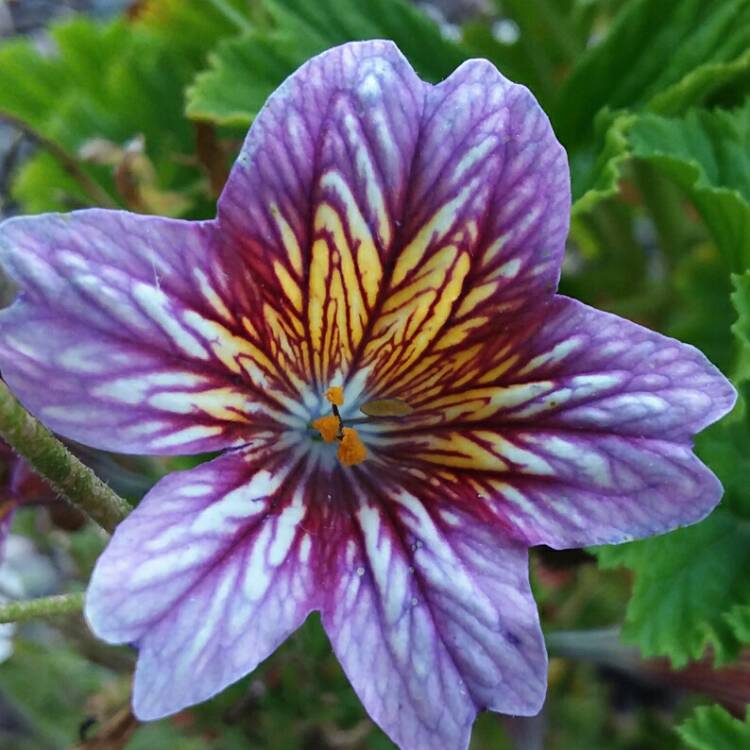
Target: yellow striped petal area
x,y
388,222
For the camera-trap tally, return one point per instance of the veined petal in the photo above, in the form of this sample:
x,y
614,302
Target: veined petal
x,y
124,336
572,366
207,576
421,213
485,223
565,489
316,196
431,616
581,437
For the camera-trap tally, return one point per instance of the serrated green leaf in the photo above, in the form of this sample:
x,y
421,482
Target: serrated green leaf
x,y
118,81
662,54
686,584
433,55
691,587
596,172
195,27
713,728
244,71
704,84
725,446
708,155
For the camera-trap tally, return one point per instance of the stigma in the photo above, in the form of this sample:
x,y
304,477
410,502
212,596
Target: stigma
x,y
352,450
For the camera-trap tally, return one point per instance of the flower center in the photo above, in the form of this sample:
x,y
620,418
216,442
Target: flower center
x,y
351,450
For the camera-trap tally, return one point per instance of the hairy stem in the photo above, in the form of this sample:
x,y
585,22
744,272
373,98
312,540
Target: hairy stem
x,y
61,604
55,463
69,163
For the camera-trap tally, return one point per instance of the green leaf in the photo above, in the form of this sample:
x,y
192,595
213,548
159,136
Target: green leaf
x,y
595,173
686,584
725,446
115,82
708,155
550,34
244,71
52,715
713,728
691,587
741,327
419,38
195,27
37,82
43,185
666,55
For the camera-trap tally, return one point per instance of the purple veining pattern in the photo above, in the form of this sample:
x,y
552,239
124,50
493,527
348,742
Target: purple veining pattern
x,y
403,241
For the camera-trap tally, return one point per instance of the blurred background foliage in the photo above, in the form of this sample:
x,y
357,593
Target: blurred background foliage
x,y
651,98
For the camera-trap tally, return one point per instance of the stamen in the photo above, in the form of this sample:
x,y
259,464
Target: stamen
x,y
328,427
352,450
335,395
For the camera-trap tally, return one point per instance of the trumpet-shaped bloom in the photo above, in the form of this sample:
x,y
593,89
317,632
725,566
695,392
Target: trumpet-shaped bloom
x,y
369,329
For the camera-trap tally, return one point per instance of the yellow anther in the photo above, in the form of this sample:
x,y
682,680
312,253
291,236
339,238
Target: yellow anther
x,y
352,450
328,427
335,394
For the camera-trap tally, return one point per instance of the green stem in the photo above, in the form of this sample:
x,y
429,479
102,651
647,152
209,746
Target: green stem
x,y
69,163
61,604
53,461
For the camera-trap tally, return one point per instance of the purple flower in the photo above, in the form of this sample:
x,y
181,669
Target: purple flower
x,y
382,245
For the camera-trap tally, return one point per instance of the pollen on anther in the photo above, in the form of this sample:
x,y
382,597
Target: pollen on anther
x,y
352,450
335,395
328,427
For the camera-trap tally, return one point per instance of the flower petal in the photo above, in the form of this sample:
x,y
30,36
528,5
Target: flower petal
x,y
123,337
315,197
485,223
581,434
431,617
409,204
207,577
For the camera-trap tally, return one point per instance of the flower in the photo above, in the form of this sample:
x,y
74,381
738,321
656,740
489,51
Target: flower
x,y
384,259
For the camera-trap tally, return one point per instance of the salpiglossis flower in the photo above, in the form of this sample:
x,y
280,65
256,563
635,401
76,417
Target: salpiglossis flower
x,y
400,243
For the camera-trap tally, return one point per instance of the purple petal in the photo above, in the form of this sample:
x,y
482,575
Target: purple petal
x,y
582,435
207,577
485,223
431,617
364,201
124,336
615,376
315,198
